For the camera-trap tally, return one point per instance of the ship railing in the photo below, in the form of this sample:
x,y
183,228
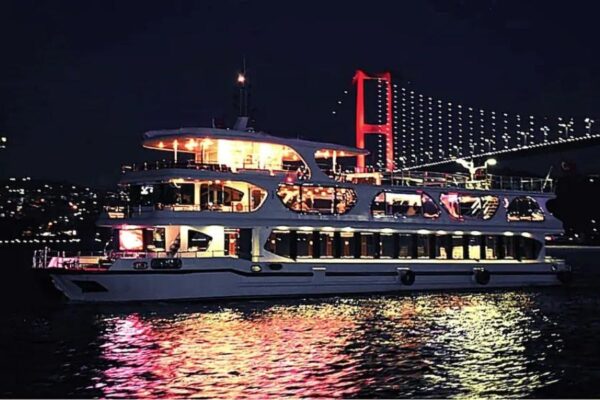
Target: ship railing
x,y
199,166
116,212
449,180
46,258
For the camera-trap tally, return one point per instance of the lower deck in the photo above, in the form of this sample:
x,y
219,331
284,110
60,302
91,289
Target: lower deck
x,y
236,278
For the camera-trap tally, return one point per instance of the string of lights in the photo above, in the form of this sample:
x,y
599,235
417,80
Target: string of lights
x,y
430,131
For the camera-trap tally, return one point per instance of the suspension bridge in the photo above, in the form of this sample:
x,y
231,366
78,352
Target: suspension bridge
x,y
413,130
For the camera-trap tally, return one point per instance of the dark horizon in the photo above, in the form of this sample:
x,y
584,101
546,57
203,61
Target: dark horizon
x,y
79,77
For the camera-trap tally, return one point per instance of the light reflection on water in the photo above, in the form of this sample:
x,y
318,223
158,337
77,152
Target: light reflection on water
x,y
438,345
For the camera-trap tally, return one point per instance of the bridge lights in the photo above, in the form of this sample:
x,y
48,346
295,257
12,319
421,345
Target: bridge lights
x,y
588,126
545,130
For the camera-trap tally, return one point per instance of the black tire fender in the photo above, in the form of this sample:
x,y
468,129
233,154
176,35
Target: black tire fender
x,y
407,277
482,276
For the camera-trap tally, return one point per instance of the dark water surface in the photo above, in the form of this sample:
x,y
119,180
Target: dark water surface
x,y
509,343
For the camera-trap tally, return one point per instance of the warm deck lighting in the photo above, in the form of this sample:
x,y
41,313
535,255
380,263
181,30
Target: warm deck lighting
x,y
131,240
191,145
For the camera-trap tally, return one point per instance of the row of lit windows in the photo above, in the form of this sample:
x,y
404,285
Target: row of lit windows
x,y
459,206
304,244
327,200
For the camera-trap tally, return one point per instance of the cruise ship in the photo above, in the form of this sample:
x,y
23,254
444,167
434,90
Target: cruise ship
x,y
234,213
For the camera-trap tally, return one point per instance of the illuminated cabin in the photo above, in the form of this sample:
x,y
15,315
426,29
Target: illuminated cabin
x,y
238,213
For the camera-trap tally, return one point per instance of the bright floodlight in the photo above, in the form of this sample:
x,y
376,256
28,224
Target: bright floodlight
x,y
491,162
241,79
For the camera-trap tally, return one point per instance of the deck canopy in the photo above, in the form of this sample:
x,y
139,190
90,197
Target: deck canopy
x,y
240,149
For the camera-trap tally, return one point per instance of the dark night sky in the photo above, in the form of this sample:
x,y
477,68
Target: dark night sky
x,y
80,81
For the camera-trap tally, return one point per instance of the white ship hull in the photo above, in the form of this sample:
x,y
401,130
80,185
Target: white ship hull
x,y
221,282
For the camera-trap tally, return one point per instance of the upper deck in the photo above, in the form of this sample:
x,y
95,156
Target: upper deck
x,y
225,151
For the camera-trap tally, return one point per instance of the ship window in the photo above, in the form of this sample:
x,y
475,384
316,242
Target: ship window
x,y
491,244
348,244
529,248
279,242
422,246
186,193
441,247
461,206
131,240
141,195
165,263
326,244
404,205
304,243
158,240
524,208
231,242
405,245
474,247
458,252
509,248
198,241
314,199
386,245
367,245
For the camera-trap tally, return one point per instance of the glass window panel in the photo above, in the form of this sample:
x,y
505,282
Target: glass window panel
x,y
158,240
524,208
304,244
386,245
422,246
474,247
440,247
430,209
491,243
461,206
198,241
279,243
509,247
450,203
326,243
405,242
457,247
231,242
348,244
324,200
529,248
367,245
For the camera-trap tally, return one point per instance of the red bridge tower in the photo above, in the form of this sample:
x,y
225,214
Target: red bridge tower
x,y
362,128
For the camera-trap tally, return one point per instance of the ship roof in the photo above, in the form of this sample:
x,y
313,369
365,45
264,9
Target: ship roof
x,y
228,134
